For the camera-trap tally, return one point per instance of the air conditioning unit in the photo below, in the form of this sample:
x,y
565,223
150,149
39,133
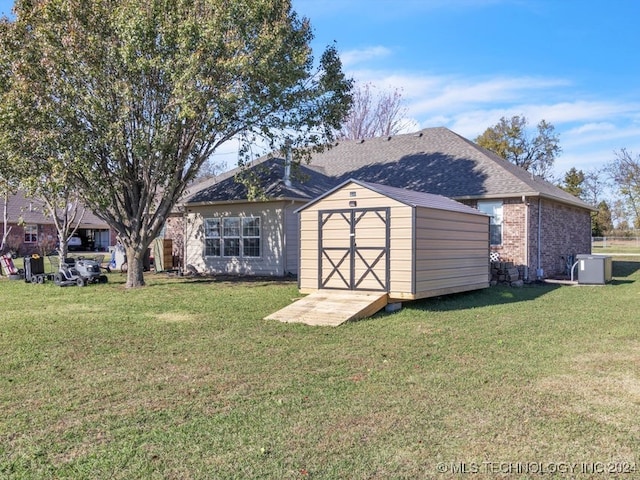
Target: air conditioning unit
x,y
594,269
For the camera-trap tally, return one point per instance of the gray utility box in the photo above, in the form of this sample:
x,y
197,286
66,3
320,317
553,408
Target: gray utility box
x,y
593,269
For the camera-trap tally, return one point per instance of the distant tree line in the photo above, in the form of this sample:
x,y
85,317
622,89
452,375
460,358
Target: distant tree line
x,y
512,140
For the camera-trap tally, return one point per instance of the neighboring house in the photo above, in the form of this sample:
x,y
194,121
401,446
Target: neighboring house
x,y
534,224
32,231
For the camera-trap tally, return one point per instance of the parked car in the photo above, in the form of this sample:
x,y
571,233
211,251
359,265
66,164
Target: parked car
x,y
75,244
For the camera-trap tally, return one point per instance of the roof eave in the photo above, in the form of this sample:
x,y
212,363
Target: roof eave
x,y
211,203
577,203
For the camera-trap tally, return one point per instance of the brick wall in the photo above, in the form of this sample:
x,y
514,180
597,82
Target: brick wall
x,y
565,231
513,248
47,239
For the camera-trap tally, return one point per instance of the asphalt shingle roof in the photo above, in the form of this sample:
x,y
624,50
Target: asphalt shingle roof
x,y
306,183
433,160
32,211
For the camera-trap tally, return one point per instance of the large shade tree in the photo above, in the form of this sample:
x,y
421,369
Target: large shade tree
x,y
624,171
133,96
511,140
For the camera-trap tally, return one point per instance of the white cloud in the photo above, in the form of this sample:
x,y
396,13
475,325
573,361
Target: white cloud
x,y
590,129
354,57
470,105
430,94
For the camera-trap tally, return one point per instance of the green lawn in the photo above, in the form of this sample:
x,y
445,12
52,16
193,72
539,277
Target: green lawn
x,y
184,379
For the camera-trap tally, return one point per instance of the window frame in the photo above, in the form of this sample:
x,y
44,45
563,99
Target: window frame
x,y
30,236
495,210
224,236
231,236
245,232
213,237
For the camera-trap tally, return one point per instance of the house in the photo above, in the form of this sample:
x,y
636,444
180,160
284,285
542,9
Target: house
x,y
534,224
32,231
227,233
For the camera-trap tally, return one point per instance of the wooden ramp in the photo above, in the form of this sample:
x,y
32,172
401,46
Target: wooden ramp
x,y
331,307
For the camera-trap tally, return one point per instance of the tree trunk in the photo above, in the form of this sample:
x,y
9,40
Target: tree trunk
x,y
135,267
63,250
5,219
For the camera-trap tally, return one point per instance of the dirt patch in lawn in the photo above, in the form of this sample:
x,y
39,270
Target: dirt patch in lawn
x,y
176,317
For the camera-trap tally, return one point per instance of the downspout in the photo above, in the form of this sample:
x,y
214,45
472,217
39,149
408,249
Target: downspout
x,y
185,219
540,271
526,238
287,183
285,239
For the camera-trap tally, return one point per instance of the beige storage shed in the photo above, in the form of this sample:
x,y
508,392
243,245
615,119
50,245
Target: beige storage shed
x,y
362,236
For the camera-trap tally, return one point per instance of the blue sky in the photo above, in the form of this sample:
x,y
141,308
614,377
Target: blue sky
x,y
464,64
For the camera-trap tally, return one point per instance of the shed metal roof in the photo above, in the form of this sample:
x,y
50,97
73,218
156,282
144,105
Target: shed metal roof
x,y
408,197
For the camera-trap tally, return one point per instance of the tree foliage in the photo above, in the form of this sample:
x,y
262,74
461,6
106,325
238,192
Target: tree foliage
x,y
594,186
619,215
624,171
510,139
63,205
589,187
373,115
601,222
574,182
131,97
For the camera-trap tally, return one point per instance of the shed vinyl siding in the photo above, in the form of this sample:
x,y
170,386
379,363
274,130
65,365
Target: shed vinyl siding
x,y
451,252
271,259
402,255
336,235
432,250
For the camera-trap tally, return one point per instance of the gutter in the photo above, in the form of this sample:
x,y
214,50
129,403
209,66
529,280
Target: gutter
x,y
577,203
212,203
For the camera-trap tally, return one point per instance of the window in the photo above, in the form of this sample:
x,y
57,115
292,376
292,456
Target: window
x,y
251,237
493,208
30,234
232,237
212,237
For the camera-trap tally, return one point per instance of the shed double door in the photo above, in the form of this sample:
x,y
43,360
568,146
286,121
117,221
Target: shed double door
x,y
353,251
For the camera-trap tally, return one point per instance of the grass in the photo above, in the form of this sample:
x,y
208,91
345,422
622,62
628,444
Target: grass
x,y
616,248
184,379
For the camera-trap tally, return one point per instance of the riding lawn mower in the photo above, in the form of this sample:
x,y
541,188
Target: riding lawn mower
x,y
80,272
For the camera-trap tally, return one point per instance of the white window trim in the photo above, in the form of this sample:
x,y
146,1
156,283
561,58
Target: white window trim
x,y
28,230
495,209
251,237
220,236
